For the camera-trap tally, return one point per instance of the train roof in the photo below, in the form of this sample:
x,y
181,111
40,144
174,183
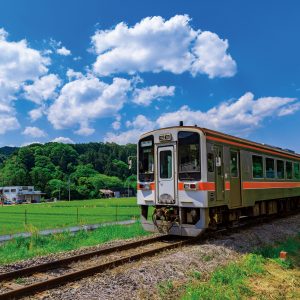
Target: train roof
x,y
230,139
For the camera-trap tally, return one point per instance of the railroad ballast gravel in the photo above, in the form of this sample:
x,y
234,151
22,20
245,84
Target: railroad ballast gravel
x,y
139,280
61,255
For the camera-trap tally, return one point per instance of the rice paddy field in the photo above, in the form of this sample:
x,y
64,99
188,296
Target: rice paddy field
x,y
20,218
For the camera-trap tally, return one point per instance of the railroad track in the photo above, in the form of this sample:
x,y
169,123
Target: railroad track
x,y
30,280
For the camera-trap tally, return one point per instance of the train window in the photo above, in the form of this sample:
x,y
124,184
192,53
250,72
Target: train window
x,y
280,169
234,171
297,170
257,166
289,169
165,158
146,159
270,168
189,155
210,162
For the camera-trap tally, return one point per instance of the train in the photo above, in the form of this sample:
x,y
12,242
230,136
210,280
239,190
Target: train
x,y
191,179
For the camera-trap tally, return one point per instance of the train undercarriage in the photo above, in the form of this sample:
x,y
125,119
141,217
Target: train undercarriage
x,y
189,221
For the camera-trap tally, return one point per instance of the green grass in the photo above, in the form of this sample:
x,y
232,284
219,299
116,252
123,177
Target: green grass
x,y
64,213
290,245
228,282
37,245
234,280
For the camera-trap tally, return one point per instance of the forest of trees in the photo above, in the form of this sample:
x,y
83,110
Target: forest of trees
x,y
52,167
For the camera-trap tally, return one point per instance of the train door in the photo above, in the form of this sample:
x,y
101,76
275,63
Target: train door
x,y
219,173
166,175
235,179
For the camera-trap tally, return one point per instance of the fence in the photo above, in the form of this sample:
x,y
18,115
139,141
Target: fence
x,y
16,219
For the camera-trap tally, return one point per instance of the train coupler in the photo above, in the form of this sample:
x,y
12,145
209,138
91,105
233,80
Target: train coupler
x,y
164,218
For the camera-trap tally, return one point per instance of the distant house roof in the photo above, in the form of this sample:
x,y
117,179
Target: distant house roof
x,y
31,193
103,191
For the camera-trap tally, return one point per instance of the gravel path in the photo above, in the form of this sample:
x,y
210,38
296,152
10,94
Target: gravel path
x,y
139,280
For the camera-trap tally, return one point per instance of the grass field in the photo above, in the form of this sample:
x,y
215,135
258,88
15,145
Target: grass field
x,y
258,275
16,218
37,245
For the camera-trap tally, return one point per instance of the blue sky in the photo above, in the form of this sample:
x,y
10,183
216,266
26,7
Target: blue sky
x,y
107,71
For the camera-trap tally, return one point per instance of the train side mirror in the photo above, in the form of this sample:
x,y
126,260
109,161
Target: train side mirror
x,y
218,161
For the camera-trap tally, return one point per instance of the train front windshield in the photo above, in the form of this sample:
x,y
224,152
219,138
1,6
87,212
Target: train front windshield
x,y
189,155
146,159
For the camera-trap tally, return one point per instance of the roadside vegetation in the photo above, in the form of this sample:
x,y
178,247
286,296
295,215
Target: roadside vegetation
x,y
257,275
37,245
17,218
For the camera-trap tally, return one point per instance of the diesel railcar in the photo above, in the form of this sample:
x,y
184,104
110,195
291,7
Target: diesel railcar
x,y
192,178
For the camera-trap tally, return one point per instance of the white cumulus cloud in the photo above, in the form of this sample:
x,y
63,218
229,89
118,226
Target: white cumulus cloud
x,y
36,113
71,74
42,89
145,96
63,140
289,109
63,51
85,130
238,117
34,132
8,122
19,63
86,99
116,125
3,34
136,127
155,45
211,56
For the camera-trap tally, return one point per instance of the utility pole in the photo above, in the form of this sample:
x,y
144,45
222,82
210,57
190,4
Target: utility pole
x,y
2,193
69,189
59,193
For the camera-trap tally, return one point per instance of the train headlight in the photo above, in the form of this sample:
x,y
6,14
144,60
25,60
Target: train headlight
x,y
190,186
144,186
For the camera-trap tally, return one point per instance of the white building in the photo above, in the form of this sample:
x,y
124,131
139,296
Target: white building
x,y
20,194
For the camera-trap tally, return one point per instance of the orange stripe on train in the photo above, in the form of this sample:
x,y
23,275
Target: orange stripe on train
x,y
269,185
141,186
227,185
202,186
205,186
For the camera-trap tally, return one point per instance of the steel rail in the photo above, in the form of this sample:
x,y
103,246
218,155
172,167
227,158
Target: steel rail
x,y
78,274
66,261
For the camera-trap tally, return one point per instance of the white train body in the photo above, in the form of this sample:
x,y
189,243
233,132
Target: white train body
x,y
195,178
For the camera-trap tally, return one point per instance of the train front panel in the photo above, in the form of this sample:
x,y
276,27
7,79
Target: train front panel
x,y
172,181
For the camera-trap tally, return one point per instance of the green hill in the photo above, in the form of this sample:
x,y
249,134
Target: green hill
x,y
5,152
49,167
